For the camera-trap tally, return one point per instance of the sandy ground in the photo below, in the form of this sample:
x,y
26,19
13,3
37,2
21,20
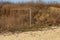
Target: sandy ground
x,y
33,35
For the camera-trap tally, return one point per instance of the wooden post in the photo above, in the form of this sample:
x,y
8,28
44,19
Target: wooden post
x,y
30,18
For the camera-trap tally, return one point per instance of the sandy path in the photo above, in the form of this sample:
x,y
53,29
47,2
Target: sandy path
x,y
36,35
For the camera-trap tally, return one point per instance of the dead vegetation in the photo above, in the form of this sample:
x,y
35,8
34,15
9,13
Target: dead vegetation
x,y
42,15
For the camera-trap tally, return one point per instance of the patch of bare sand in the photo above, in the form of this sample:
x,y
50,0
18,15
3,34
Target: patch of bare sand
x,y
33,35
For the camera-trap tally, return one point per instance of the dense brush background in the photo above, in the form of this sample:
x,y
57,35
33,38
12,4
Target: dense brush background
x,y
42,15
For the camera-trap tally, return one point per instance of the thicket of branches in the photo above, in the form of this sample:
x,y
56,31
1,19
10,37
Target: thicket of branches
x,y
42,14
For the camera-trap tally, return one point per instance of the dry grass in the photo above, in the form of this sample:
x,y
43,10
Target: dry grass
x,y
42,15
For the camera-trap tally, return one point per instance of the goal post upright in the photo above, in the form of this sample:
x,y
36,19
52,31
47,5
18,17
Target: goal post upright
x,y
30,18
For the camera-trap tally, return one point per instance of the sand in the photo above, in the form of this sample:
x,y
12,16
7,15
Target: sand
x,y
33,35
